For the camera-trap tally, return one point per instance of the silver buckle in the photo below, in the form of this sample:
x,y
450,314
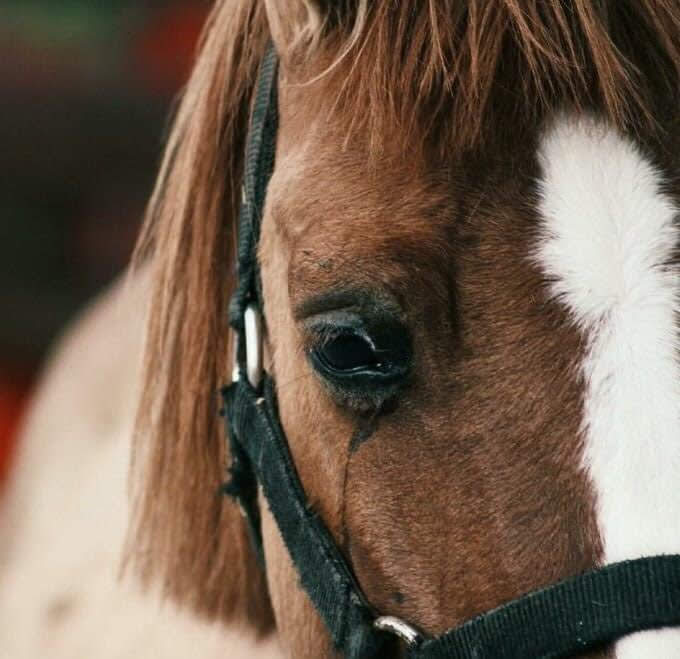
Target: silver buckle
x,y
410,635
252,321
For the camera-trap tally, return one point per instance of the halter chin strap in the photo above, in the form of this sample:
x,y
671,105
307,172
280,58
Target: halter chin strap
x,y
575,615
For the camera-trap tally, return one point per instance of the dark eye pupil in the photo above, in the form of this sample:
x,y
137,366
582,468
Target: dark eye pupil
x,y
348,352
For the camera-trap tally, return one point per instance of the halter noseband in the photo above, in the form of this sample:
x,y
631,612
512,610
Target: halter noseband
x,y
570,617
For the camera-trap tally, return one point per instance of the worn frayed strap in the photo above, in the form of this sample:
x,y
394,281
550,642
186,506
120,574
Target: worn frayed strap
x,y
324,573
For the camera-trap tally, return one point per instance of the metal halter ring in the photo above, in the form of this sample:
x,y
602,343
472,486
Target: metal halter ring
x,y
408,634
252,322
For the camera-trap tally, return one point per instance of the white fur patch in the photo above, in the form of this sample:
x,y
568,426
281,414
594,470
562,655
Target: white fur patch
x,y
609,234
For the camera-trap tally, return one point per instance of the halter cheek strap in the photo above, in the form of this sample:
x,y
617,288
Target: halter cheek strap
x,y
264,458
578,614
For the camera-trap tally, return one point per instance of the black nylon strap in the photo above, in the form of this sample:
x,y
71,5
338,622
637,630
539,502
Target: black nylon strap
x,y
575,615
258,168
259,165
324,573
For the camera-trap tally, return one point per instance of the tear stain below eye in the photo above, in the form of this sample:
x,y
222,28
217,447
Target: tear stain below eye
x,y
365,428
368,424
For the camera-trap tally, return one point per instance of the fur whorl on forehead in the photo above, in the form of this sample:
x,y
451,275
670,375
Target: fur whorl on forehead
x,y
467,65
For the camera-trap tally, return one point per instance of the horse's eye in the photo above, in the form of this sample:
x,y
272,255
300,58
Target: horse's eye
x,y
363,360
347,353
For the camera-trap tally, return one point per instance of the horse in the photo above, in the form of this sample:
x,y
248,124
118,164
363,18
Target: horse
x,y
469,271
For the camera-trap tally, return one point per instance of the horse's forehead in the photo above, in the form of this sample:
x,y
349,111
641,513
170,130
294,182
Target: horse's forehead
x,y
320,187
347,214
316,140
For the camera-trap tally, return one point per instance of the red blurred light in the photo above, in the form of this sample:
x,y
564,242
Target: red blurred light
x,y
165,51
12,401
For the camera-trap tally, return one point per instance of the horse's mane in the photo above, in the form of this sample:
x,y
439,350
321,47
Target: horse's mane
x,y
459,66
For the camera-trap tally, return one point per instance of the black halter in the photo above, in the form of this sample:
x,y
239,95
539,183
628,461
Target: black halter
x,y
575,615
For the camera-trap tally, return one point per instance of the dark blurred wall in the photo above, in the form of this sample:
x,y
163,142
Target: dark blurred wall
x,y
85,89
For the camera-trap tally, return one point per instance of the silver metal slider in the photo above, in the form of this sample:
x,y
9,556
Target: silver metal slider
x,y
410,635
252,319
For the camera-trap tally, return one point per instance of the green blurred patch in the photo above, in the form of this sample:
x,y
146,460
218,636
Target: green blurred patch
x,y
68,20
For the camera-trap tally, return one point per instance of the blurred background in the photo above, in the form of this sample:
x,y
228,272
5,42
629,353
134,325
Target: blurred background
x,y
85,92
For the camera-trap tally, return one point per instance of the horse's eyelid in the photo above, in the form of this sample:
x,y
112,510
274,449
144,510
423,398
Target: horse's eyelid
x,y
356,299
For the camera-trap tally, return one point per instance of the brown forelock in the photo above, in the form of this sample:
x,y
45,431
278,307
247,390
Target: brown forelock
x,y
468,491
415,65
183,532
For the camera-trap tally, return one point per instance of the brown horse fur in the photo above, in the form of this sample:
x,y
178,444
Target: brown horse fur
x,y
406,167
